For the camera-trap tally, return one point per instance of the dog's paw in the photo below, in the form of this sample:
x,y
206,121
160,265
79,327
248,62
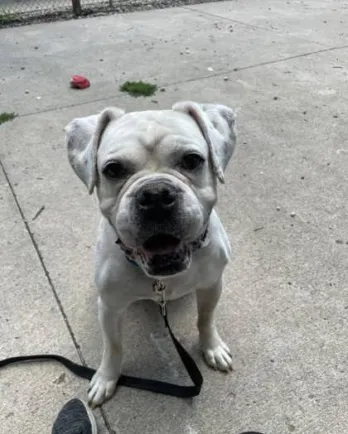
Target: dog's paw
x,y
101,388
218,356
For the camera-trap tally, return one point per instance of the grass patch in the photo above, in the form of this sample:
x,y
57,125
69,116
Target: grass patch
x,y
8,18
138,88
5,117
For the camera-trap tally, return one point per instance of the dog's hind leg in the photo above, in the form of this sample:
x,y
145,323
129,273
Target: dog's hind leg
x,y
103,383
215,351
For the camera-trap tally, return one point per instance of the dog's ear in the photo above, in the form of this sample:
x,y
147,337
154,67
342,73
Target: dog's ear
x,y
83,137
217,124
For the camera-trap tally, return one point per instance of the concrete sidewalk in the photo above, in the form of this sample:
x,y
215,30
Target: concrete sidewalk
x,y
284,66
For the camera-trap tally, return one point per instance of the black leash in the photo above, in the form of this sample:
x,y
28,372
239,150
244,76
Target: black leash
x,y
126,380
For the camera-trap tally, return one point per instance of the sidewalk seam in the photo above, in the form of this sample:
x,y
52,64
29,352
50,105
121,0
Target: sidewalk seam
x,y
48,277
190,80
51,284
195,8
211,15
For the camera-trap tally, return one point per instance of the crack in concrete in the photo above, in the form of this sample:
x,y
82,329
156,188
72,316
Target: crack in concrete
x,y
210,14
51,284
296,56
191,80
43,265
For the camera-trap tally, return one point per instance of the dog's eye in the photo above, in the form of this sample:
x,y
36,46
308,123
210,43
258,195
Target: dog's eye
x,y
115,170
191,162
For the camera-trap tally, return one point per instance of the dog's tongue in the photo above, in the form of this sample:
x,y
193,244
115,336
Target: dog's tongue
x,y
161,244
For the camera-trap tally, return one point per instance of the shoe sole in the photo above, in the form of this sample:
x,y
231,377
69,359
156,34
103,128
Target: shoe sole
x,y
91,418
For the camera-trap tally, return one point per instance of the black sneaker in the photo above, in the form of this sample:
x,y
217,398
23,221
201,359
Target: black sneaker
x,y
75,418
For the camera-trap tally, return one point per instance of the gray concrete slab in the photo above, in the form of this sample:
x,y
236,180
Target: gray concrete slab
x,y
284,309
107,52
320,20
31,322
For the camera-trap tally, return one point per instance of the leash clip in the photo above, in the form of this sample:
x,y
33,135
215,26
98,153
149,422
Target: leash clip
x,y
159,288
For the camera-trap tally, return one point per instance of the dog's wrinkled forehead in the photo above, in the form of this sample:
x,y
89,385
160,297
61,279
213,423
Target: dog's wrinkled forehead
x,y
209,127
148,130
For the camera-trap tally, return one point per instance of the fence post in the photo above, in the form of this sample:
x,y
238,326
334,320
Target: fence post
x,y
76,6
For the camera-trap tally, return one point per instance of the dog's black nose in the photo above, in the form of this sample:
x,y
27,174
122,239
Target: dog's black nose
x,y
158,195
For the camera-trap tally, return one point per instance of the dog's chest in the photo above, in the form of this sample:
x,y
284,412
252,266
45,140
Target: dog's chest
x,y
175,291
197,277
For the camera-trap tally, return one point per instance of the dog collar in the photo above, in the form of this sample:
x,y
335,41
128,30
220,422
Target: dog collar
x,y
195,245
132,261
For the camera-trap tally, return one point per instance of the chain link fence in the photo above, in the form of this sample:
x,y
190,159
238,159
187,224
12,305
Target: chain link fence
x,y
20,11
16,12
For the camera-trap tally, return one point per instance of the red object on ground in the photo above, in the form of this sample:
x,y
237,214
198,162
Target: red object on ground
x,y
79,82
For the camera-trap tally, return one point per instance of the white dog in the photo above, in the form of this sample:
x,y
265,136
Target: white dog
x,y
155,174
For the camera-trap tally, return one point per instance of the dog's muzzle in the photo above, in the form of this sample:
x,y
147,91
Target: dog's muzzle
x,y
162,247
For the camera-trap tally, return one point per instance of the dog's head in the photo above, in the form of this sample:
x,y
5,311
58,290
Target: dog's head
x,y
155,173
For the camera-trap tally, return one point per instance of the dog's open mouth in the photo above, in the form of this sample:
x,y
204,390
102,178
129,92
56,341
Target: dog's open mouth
x,y
161,244
165,255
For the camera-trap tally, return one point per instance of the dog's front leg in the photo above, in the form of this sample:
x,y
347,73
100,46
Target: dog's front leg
x,y
103,383
216,352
